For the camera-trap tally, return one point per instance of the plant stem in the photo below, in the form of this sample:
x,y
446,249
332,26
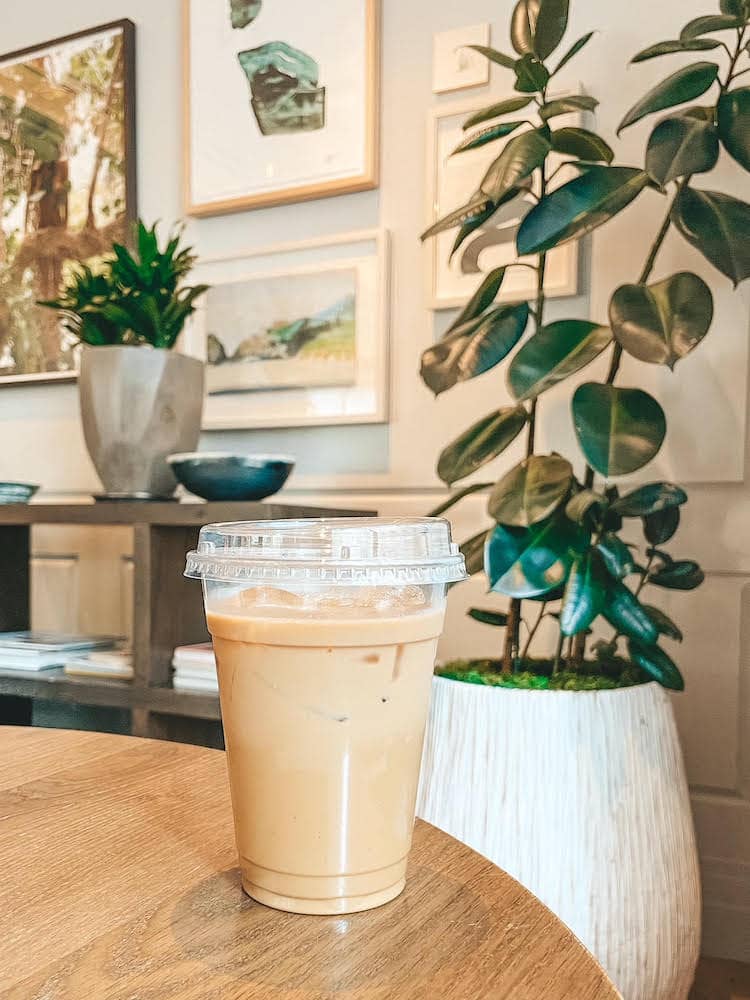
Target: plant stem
x,y
533,631
511,636
733,61
579,650
558,653
512,631
644,578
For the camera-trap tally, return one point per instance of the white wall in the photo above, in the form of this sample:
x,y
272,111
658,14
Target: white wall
x,y
391,466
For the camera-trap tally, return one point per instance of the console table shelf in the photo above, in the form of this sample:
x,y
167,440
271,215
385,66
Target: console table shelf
x,y
167,608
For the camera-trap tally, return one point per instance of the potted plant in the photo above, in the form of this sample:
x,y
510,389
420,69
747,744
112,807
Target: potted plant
x,y
563,764
140,400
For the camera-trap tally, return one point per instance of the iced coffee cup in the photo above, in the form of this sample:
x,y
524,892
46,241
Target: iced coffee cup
x,y
325,633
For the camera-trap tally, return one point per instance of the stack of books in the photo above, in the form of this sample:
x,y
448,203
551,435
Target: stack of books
x,y
114,663
195,668
33,651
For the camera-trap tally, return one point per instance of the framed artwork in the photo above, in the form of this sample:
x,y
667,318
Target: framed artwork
x,y
296,334
456,67
67,169
450,180
281,101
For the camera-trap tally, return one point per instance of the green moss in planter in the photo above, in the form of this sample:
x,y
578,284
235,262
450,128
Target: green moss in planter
x,y
619,674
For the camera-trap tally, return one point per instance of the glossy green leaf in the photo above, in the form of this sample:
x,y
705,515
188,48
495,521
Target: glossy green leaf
x,y
458,495
538,26
567,105
581,143
528,562
578,207
523,24
474,348
717,225
555,352
663,322
657,664
531,75
585,593
476,221
661,526
485,135
482,299
520,158
734,124
508,62
709,23
676,45
482,442
660,554
684,85
679,146
619,430
471,225
585,506
664,623
625,612
650,499
487,617
574,49
531,491
473,552
736,7
616,555
477,205
505,107
682,574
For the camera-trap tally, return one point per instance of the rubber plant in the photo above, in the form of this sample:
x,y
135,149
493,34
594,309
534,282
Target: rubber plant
x,y
135,298
558,544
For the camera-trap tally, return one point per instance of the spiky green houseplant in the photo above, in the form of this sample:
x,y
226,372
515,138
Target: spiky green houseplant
x,y
557,548
135,298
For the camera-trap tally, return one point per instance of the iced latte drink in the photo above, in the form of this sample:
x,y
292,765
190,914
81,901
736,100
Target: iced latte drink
x,y
325,634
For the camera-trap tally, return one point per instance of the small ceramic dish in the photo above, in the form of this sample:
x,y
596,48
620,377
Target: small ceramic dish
x,y
228,476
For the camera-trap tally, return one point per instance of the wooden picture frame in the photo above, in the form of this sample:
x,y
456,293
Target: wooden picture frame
x,y
129,174
361,400
365,179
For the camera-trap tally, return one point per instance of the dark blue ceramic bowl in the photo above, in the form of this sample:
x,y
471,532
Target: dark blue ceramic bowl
x,y
225,476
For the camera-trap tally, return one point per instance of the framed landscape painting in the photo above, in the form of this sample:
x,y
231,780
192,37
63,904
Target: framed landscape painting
x,y
67,170
281,101
295,335
451,281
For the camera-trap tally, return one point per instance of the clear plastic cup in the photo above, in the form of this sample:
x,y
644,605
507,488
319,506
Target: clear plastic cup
x,y
325,634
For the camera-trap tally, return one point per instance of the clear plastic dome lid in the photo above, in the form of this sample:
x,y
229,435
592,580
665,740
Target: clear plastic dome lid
x,y
371,551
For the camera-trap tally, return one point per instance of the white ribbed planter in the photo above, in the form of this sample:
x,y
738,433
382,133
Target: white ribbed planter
x,y
582,797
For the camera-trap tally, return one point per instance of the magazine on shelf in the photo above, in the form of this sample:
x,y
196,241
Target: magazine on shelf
x,y
31,643
195,684
85,667
35,662
199,655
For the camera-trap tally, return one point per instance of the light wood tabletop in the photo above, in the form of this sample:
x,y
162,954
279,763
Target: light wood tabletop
x,y
118,880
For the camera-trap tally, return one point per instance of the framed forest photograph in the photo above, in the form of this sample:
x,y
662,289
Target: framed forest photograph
x,y
298,113
67,171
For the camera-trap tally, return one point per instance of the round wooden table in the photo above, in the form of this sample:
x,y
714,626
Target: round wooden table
x,y
119,881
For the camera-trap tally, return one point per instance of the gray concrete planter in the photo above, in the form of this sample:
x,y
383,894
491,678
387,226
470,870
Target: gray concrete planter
x,y
138,405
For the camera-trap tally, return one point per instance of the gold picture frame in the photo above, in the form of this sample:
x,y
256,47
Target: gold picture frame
x,y
363,180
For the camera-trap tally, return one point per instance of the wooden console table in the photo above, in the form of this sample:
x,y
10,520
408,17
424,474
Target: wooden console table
x,y
167,608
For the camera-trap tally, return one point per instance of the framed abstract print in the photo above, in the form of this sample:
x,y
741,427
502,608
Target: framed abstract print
x,y
67,171
295,334
281,101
